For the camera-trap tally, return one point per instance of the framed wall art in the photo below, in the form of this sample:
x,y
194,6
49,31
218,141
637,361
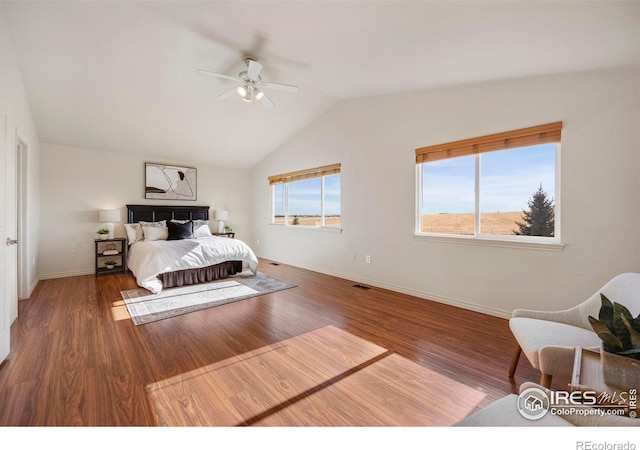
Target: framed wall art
x,y
166,182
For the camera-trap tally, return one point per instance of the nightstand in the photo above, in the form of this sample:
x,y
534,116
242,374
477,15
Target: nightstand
x,y
110,250
231,235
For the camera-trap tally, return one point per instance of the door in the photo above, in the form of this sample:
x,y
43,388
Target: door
x,y
8,288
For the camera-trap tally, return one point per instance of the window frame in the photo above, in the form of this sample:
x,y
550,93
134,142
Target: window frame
x,y
470,147
292,177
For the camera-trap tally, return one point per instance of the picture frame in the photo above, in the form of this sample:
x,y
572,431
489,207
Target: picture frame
x,y
170,182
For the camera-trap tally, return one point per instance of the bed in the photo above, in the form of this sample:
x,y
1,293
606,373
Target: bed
x,y
173,246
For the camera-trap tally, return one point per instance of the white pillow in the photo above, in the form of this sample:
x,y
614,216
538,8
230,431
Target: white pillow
x,y
134,232
155,233
162,223
201,228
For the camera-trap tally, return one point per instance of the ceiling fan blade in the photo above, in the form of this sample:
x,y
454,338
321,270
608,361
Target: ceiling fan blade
x,y
264,99
227,94
281,87
253,69
219,75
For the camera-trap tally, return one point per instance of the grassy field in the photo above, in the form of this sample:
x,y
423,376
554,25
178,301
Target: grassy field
x,y
491,223
498,223
312,221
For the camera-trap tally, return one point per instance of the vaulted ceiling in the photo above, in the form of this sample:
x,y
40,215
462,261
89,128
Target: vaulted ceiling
x,y
121,76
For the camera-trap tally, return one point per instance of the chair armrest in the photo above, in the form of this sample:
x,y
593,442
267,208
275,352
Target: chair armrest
x,y
576,316
553,316
557,361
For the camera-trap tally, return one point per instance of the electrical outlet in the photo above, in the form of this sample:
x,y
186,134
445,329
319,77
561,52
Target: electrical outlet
x,y
74,253
368,259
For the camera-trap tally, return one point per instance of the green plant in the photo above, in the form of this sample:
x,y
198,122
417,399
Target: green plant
x,y
110,263
102,231
618,330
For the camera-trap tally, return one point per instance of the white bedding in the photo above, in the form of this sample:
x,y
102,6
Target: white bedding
x,y
147,259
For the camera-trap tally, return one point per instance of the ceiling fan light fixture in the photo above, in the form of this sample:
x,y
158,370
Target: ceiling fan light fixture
x,y
246,92
249,80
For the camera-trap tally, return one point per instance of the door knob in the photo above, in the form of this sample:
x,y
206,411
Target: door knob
x,y
10,241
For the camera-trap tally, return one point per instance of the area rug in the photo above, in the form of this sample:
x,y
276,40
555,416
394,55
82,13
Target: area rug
x,y
145,307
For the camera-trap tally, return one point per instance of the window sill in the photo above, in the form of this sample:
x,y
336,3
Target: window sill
x,y
302,227
546,246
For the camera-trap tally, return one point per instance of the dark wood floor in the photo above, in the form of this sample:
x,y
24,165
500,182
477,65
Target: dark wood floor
x,y
77,358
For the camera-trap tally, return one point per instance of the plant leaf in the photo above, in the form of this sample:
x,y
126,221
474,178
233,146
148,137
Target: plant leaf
x,y
619,328
606,311
634,336
597,325
636,323
619,308
610,341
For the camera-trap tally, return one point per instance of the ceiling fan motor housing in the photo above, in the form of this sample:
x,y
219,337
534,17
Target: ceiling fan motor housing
x,y
252,85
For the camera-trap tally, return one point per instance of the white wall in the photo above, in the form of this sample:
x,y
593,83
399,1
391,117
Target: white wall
x,y
77,182
375,138
21,125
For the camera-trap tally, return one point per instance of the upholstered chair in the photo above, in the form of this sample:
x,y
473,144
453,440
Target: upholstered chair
x,y
548,338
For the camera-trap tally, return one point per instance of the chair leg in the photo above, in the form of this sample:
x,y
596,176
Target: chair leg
x,y
514,361
545,380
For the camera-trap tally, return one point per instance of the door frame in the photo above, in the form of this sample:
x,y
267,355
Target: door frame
x,y
22,204
6,226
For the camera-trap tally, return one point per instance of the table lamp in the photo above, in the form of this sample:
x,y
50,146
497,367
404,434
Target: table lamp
x,y
108,217
221,215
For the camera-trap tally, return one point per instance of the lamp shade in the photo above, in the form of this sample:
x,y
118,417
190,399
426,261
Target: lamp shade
x,y
109,215
221,214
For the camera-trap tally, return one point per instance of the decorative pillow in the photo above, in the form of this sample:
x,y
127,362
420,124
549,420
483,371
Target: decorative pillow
x,y
179,231
155,233
134,232
161,223
201,228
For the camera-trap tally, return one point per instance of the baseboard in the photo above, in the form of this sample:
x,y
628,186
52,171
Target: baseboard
x,y
33,285
31,289
419,294
50,276
391,287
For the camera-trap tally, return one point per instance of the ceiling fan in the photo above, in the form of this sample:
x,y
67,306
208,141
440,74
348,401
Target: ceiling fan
x,y
251,86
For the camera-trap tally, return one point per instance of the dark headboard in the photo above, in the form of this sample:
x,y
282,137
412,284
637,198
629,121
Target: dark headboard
x,y
155,213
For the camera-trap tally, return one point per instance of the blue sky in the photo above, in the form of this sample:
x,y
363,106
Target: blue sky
x,y
304,197
508,180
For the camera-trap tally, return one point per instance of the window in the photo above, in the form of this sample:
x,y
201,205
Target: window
x,y
503,186
308,198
